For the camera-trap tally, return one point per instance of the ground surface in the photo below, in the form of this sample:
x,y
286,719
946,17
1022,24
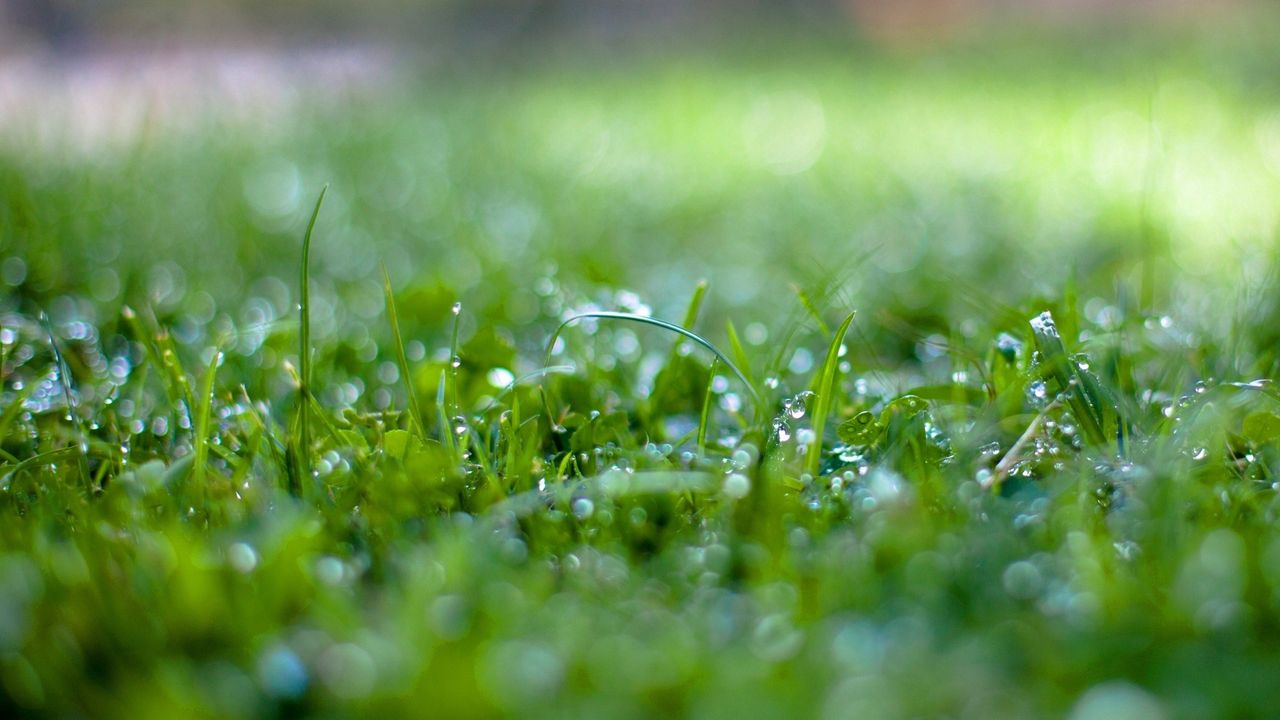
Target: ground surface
x,y
952,506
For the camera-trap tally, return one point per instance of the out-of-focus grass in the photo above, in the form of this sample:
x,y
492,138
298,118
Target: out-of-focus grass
x,y
997,524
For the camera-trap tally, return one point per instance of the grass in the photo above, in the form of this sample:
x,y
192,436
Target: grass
x,y
625,502
305,398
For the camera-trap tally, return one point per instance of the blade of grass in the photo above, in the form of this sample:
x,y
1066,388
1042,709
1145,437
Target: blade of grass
x,y
304,347
447,437
64,374
497,398
162,354
706,410
34,461
807,303
739,352
1014,455
198,466
826,395
608,315
663,382
15,408
1059,368
511,469
455,362
690,315
397,340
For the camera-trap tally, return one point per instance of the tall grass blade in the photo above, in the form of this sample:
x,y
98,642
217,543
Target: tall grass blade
x,y
739,352
512,469
826,395
304,347
203,412
452,402
1059,368
397,340
64,374
691,312
704,420
447,437
807,303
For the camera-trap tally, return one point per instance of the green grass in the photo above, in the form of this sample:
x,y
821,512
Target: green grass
x,y
637,494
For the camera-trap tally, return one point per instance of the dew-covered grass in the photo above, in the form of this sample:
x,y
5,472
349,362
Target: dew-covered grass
x,y
792,378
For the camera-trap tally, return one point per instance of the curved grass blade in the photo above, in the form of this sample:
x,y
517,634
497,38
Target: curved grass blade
x,y
36,460
609,315
826,395
304,347
497,398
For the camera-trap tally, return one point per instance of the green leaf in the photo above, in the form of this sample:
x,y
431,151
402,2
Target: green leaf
x,y
1261,427
905,404
861,429
395,442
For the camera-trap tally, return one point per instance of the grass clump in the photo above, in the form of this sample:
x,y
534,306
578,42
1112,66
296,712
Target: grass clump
x,y
1004,491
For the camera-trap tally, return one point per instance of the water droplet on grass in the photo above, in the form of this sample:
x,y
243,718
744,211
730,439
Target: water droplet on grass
x,y
782,430
242,557
737,486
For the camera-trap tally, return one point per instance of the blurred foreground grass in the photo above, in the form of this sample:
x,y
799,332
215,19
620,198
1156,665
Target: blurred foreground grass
x,y
999,522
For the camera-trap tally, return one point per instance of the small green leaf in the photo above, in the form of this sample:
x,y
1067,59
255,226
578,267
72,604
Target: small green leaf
x,y
1261,427
395,443
905,404
861,429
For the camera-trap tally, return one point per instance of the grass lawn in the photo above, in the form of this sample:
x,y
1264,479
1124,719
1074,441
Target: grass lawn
x,y
786,377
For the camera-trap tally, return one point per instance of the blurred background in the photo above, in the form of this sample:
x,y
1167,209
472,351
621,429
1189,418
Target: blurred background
x,y
927,161
79,24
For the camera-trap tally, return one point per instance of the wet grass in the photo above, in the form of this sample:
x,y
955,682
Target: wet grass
x,y
1032,474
